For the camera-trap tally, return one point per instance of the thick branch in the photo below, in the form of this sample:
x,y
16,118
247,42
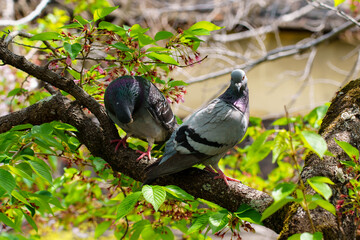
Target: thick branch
x,y
195,181
342,122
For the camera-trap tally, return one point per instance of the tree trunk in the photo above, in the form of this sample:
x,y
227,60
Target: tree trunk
x,y
342,122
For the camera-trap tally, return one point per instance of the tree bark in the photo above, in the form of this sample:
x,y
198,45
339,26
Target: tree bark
x,y
342,122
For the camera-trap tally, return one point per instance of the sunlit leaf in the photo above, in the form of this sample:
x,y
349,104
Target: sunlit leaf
x,y
218,221
283,190
314,142
351,151
247,213
319,184
276,206
46,36
178,192
306,236
103,12
163,35
127,205
154,194
31,221
162,57
72,49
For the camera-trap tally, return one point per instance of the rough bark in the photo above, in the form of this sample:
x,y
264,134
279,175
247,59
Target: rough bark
x,y
342,122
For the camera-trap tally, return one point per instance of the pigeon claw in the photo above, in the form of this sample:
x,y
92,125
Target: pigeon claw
x,y
225,178
143,154
119,142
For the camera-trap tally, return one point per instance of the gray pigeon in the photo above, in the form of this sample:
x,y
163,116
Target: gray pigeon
x,y
138,107
208,133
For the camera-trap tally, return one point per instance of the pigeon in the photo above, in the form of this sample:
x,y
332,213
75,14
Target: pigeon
x,y
137,106
206,136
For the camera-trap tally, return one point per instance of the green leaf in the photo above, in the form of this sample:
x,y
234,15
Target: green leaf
x,y
63,126
283,190
218,221
82,20
19,197
121,46
127,205
314,142
162,57
154,194
323,203
276,206
247,213
316,115
72,49
199,222
21,127
112,27
41,169
163,35
178,192
177,83
46,36
31,221
205,25
349,149
280,146
7,221
14,92
101,228
73,25
103,12
7,181
20,172
338,2
306,236
319,184
144,39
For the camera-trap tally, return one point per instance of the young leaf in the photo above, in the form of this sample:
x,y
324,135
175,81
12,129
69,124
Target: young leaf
x,y
162,57
19,197
283,190
205,25
349,149
103,12
314,142
280,146
338,2
21,127
319,184
144,39
163,35
154,194
218,221
276,206
7,181
101,228
323,203
178,192
46,36
165,233
199,222
247,213
177,83
112,27
72,49
121,46
127,205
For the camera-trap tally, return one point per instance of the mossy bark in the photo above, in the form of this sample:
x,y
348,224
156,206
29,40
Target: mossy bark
x,y
342,122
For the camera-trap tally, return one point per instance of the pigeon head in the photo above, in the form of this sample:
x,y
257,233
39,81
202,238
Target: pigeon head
x,y
238,80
